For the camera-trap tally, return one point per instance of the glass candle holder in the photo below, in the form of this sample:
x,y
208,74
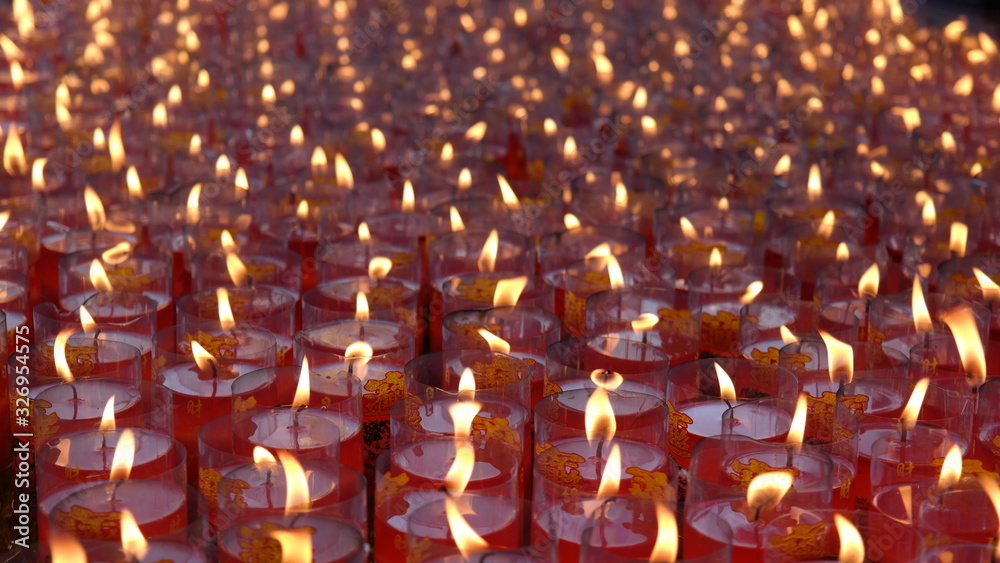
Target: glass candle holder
x,y
960,514
557,251
649,315
268,308
625,365
807,248
266,265
891,320
137,270
811,535
627,529
130,318
761,321
198,363
685,254
60,402
879,403
336,399
721,472
497,520
721,292
15,293
373,351
338,300
697,407
73,461
182,545
412,476
350,259
494,375
334,540
784,213
480,291
159,506
585,278
973,553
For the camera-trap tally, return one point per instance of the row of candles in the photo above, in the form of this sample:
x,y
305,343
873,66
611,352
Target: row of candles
x,y
260,322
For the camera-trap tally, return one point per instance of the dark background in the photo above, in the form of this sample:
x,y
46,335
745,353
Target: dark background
x,y
982,14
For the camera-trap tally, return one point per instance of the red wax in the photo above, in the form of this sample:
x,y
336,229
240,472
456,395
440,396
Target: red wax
x,y
615,531
703,531
259,489
63,408
496,519
693,422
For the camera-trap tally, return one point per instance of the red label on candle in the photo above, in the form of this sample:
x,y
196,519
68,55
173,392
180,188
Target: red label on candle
x,y
680,440
719,331
558,467
804,542
653,485
125,279
83,522
500,371
259,545
46,424
481,290
79,358
208,484
383,393
550,388
242,405
970,468
497,431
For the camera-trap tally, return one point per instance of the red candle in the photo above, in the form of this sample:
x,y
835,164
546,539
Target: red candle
x,y
159,508
311,537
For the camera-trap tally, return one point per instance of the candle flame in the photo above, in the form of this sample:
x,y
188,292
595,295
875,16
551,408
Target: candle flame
x,y
687,228
825,228
296,137
599,416
645,322
507,193
194,148
296,544
447,152
929,213
193,211
843,252
488,256
302,390
990,289
99,277
958,238
202,358
752,291
948,142
665,548
226,319
409,199
66,549
868,284
95,209
570,151
361,310
124,456
456,219
962,324
727,391
796,432
59,355
508,291
378,139
467,385
605,70
723,205
237,269
364,234
460,473
262,456
840,357
912,409
342,172
379,267
611,476
318,162
559,59
496,343
134,184
878,86
621,197
852,546
951,469
358,354
14,161
134,544
786,335
297,498
159,115
910,117
466,539
302,211
921,315
814,185
571,222
476,132
116,147
38,174
768,487
108,416
783,165
715,258
223,168
464,179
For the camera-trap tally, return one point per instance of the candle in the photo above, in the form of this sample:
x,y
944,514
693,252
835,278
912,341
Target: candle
x,y
159,507
467,524
312,537
700,392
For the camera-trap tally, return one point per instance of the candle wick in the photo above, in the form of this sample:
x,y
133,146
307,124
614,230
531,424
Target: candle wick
x,y
296,519
790,457
97,335
72,387
902,430
732,415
